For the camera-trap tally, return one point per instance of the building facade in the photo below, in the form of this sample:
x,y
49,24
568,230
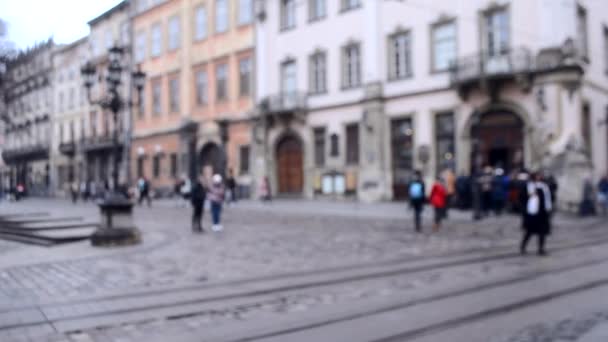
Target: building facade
x,y
198,58
28,93
426,86
112,28
71,109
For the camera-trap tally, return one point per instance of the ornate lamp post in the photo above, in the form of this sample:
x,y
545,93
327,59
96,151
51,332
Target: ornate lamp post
x,y
116,209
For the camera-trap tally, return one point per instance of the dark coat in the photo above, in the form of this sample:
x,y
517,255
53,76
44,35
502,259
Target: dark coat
x,y
199,194
540,223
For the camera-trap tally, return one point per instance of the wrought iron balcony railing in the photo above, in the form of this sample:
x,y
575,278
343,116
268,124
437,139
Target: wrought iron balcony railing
x,y
491,65
33,152
285,102
67,148
99,143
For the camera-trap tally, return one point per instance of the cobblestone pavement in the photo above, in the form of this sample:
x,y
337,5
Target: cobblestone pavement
x,y
258,241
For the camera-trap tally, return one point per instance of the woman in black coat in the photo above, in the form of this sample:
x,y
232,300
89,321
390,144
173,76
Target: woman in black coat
x,y
536,216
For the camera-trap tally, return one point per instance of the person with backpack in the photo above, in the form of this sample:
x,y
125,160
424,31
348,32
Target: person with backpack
x,y
417,198
438,200
197,198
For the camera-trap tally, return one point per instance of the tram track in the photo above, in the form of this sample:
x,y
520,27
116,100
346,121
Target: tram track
x,y
243,295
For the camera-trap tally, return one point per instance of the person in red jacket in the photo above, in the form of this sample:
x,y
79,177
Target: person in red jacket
x,y
438,200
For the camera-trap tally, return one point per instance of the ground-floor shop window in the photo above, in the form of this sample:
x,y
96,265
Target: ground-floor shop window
x,y
173,165
402,145
319,135
244,159
352,144
444,141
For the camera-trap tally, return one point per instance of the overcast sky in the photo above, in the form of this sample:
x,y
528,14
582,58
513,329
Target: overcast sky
x,y
31,21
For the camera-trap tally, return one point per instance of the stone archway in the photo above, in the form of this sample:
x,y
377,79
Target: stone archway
x,y
212,160
290,165
500,138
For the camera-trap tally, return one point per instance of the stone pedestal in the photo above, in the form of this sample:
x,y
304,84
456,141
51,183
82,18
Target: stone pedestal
x,y
117,227
571,168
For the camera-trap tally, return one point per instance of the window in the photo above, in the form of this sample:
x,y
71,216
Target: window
x,y
244,159
93,123
445,142
200,23
400,56
318,73
245,76
497,32
221,79
586,127
402,147
71,98
444,46
316,9
334,145
288,77
61,102
319,136
141,105
61,135
156,165
352,144
140,47
174,33
173,159
606,49
72,131
156,98
140,166
581,30
124,33
350,4
157,40
288,14
351,66
109,39
201,87
221,16
245,12
174,94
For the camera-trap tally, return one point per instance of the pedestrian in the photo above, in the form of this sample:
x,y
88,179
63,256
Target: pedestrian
x,y
450,186
485,183
216,197
500,185
197,198
438,200
463,191
587,205
537,213
144,191
84,193
74,191
231,187
602,194
186,189
417,198
265,193
177,192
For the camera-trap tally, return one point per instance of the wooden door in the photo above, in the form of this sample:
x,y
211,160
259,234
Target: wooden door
x,y
289,166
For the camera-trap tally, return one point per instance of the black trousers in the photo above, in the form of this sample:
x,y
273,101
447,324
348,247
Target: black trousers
x,y
417,215
541,241
197,217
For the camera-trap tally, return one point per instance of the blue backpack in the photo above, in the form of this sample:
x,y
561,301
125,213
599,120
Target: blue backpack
x,y
416,190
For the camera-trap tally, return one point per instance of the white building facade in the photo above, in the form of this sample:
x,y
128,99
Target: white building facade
x,y
70,115
357,94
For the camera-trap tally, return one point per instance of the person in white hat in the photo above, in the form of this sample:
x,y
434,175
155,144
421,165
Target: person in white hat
x,y
216,197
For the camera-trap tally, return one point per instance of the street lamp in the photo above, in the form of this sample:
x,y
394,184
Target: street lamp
x,y
116,209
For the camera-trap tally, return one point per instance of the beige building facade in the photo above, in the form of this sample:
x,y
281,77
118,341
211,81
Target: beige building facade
x,y
198,58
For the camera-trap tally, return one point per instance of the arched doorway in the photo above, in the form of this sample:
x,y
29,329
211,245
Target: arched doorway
x,y
212,160
290,165
499,135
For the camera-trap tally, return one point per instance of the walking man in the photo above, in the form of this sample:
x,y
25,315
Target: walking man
x,y
231,185
197,198
537,211
602,194
417,198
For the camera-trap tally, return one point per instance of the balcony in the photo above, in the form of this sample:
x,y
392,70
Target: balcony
x,y
100,143
34,152
285,103
489,71
68,148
